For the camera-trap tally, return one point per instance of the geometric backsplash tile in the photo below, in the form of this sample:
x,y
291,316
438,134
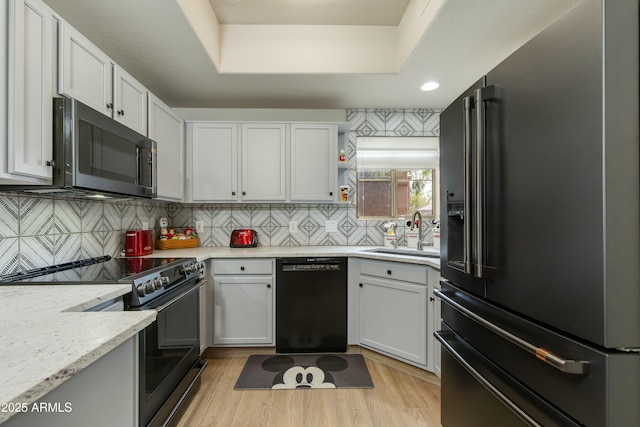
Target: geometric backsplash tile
x,y
37,231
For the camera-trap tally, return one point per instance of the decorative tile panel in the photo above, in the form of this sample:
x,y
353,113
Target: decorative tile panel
x,y
67,248
112,216
9,216
66,216
10,255
92,244
92,216
36,216
36,251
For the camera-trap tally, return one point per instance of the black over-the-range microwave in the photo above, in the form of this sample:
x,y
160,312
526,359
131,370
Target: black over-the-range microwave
x,y
94,154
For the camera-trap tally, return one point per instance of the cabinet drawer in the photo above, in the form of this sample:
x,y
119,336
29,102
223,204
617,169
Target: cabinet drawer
x,y
395,270
240,266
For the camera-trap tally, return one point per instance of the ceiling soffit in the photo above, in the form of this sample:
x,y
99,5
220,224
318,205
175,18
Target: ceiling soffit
x,y
310,49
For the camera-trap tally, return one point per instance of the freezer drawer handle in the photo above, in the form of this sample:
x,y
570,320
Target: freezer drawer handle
x,y
442,337
577,367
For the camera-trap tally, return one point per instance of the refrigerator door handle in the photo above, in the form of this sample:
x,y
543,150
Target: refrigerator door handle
x,y
481,267
568,366
469,105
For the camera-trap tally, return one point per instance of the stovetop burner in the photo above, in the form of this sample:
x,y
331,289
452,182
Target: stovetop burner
x,y
149,277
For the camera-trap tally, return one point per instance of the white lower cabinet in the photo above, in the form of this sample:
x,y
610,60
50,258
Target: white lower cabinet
x,y
243,301
393,310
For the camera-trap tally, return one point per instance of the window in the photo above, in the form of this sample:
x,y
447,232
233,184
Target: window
x,y
396,177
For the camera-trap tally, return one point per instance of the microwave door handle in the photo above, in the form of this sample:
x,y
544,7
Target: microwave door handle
x,y
138,167
468,105
153,169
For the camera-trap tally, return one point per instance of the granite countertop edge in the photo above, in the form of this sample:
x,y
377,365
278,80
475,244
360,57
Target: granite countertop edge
x,y
50,339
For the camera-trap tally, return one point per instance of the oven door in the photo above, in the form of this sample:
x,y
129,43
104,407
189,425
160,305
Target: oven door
x,y
169,354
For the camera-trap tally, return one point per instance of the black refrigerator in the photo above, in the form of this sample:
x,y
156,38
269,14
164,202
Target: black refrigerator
x,y
540,230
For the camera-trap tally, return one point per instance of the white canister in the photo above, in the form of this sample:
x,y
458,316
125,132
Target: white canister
x,y
390,239
412,239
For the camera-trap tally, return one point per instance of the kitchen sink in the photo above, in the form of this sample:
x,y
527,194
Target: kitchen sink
x,y
425,253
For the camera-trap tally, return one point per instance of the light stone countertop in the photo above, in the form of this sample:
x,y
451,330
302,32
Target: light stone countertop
x,y
46,338
204,253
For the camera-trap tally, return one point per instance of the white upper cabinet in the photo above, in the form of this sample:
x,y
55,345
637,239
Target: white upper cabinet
x,y
29,116
90,76
167,129
313,162
264,165
212,153
129,101
261,162
85,72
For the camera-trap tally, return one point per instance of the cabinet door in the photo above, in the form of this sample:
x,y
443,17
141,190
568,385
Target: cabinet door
x,y
167,129
129,101
264,167
393,318
243,310
434,283
85,71
30,89
213,161
313,162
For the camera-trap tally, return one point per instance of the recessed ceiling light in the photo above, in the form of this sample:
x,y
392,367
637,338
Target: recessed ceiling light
x,y
429,86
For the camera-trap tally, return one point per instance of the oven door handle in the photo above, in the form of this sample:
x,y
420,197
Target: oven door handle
x,y
442,337
172,301
568,366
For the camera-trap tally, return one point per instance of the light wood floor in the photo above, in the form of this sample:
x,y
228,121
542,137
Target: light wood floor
x,y
402,396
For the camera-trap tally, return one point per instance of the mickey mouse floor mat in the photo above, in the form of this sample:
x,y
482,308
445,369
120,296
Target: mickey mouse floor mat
x,y
289,371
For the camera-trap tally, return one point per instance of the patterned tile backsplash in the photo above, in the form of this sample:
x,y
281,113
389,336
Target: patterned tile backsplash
x,y
39,231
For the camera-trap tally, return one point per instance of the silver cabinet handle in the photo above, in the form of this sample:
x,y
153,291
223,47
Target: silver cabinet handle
x,y
440,336
577,367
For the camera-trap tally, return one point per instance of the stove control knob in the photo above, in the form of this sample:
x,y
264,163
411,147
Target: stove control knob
x,y
157,283
164,281
148,287
140,289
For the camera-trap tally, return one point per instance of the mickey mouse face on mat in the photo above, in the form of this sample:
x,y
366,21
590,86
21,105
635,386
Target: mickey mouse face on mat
x,y
291,376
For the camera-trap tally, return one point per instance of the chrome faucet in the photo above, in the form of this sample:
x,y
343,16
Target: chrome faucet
x,y
413,221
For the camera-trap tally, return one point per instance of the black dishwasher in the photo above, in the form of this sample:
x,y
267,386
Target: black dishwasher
x,y
311,305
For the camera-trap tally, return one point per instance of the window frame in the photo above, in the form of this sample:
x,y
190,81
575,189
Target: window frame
x,y
393,194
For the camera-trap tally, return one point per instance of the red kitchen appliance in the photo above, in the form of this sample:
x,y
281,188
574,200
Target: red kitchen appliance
x,y
244,238
138,242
